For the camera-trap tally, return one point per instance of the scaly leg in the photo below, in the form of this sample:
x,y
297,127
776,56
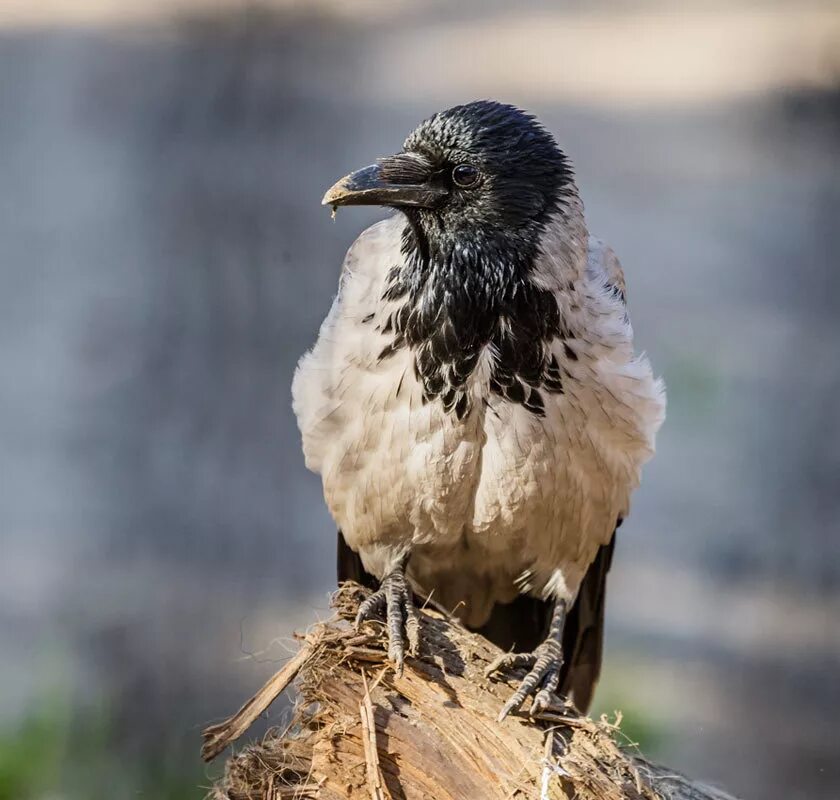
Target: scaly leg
x,y
545,663
395,596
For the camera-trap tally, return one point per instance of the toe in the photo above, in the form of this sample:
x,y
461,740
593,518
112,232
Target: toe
x,y
509,661
370,608
395,614
543,699
412,627
401,617
545,696
396,651
518,697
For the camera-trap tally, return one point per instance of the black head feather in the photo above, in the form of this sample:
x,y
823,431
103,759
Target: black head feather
x,y
523,175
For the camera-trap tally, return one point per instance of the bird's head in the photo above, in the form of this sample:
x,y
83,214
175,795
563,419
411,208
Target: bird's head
x,y
477,169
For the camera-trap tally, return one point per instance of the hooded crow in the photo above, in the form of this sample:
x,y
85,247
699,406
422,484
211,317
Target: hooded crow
x,y
473,402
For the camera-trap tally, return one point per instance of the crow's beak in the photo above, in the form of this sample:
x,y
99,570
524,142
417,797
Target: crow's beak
x,y
398,181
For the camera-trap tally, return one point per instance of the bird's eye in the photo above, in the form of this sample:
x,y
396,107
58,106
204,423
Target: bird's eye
x,y
465,175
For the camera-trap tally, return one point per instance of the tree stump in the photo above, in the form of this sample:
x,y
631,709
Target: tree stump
x,y
361,732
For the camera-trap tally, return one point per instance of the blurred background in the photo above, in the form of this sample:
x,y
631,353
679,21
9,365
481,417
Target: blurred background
x,y
164,261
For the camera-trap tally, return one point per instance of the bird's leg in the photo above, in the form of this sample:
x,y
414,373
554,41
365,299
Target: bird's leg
x,y
395,597
545,663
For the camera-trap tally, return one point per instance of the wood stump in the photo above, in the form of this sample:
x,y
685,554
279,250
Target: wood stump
x,y
361,732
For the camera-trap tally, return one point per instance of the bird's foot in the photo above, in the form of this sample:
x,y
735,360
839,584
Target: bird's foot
x,y
402,617
544,663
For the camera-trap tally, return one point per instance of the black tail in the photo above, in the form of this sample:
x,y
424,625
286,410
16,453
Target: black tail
x,y
523,624
350,567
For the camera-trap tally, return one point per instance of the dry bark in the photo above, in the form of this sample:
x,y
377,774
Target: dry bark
x,y
360,732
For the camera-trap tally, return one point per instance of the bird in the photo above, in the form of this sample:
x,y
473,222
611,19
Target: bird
x,y
474,404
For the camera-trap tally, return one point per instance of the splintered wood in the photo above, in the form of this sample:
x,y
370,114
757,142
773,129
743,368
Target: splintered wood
x,y
429,734
218,737
374,776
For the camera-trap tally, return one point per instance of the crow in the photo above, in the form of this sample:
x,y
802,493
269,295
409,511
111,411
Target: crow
x,y
473,402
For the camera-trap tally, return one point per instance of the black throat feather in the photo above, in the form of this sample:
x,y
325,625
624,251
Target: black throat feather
x,y
458,296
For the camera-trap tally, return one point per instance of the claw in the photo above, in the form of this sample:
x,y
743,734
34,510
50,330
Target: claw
x,y
370,608
394,595
544,663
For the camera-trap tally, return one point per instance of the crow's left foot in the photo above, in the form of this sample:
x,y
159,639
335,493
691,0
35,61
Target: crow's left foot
x,y
545,664
395,597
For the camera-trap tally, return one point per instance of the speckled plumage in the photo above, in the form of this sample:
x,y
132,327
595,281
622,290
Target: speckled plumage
x,y
502,494
474,404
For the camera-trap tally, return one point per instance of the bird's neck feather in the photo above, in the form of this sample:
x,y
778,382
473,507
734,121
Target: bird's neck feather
x,y
457,295
474,277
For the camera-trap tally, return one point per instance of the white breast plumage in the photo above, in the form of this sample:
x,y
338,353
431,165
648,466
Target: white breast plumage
x,y
503,498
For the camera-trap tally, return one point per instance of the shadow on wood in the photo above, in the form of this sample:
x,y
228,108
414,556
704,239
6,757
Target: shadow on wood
x,y
360,731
